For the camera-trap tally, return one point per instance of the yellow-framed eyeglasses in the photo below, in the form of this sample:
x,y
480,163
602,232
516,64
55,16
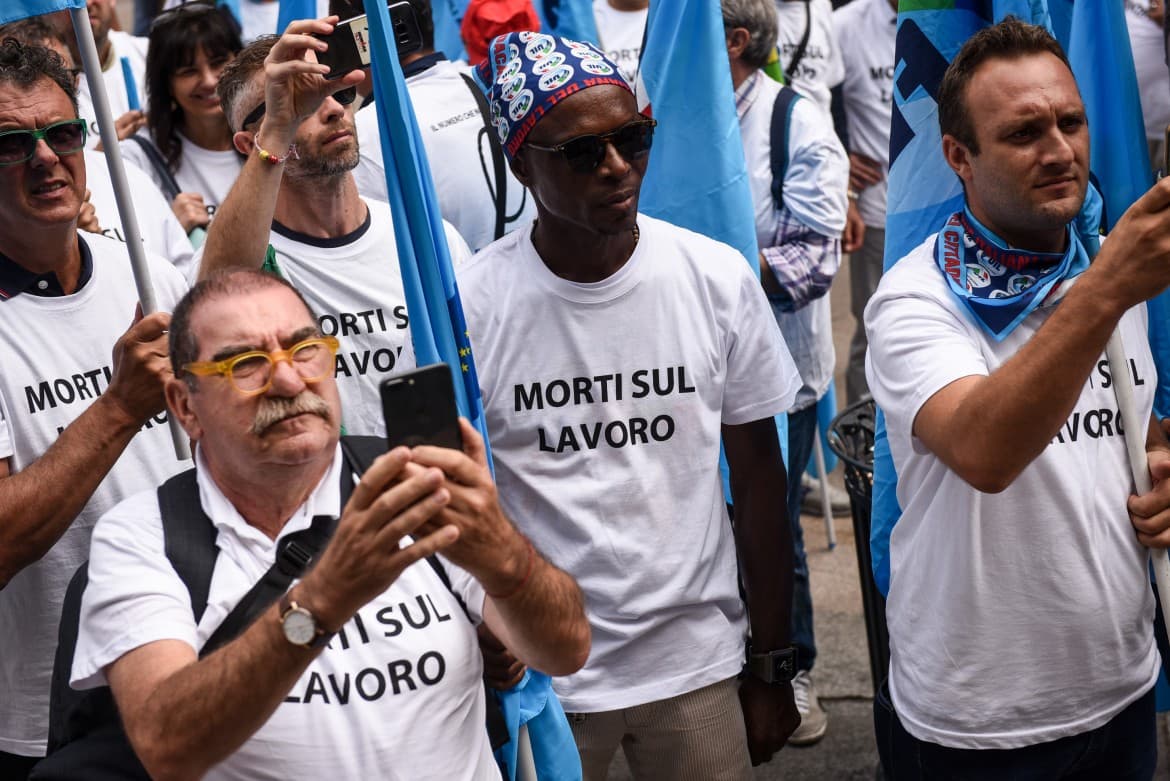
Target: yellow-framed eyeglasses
x,y
251,373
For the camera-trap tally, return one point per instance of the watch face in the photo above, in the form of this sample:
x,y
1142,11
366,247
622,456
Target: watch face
x,y
299,626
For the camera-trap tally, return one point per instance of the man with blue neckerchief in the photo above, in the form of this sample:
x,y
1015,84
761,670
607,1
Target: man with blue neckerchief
x,y
1019,609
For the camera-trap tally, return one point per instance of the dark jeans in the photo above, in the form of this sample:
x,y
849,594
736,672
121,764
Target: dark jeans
x,y
1124,749
14,767
802,432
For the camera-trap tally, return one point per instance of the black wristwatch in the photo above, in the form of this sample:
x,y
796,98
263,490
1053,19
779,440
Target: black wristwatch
x,y
772,666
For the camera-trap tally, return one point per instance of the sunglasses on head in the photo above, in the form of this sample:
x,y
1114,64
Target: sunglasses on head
x,y
344,97
64,138
584,153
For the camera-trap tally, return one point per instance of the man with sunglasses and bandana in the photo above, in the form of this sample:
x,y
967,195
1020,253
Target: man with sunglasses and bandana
x,y
613,351
79,430
296,193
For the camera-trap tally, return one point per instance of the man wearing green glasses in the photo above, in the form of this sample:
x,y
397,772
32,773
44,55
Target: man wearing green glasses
x,y
78,431
297,194
654,343
367,668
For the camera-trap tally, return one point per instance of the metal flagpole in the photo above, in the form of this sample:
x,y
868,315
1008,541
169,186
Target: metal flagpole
x,y
1135,448
101,104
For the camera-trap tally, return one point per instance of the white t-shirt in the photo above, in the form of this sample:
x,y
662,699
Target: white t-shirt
x,y
605,432
134,49
815,185
866,32
162,234
396,694
258,17
820,69
620,34
354,286
1149,60
458,150
56,357
1020,617
204,171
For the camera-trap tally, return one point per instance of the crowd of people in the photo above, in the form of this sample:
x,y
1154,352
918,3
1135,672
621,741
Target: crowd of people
x,y
298,600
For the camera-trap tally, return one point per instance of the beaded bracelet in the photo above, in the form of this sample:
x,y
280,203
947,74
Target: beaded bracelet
x,y
523,581
272,159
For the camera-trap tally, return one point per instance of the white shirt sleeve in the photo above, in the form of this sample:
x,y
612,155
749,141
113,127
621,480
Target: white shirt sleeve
x,y
816,183
761,380
467,587
134,596
6,448
917,346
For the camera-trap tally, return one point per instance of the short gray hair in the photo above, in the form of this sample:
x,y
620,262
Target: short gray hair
x,y
758,17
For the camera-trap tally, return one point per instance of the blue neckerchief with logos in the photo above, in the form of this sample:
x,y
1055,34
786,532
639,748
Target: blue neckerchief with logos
x,y
999,285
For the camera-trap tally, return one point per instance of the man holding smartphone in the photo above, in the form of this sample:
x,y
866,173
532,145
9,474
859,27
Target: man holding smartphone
x,y
654,343
367,667
296,198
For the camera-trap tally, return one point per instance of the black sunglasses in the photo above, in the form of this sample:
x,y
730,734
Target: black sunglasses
x,y
344,97
64,138
584,153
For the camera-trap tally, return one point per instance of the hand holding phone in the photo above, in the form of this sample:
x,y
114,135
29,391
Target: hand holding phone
x,y
349,43
419,408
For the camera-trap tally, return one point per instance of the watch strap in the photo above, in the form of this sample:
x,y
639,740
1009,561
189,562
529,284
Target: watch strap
x,y
772,667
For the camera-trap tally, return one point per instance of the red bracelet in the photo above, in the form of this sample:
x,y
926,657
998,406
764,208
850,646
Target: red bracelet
x,y
272,159
523,581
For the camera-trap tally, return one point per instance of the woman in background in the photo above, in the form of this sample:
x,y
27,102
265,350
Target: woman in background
x,y
187,144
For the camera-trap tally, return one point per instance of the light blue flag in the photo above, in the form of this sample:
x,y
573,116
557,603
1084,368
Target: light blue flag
x,y
291,10
697,177
437,327
131,85
448,15
572,19
13,10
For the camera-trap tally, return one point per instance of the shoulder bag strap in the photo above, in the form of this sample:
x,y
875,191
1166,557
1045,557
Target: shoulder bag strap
x,y
500,189
778,140
798,55
169,185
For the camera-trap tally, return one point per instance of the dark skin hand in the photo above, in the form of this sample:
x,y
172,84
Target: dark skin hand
x,y
768,727
501,669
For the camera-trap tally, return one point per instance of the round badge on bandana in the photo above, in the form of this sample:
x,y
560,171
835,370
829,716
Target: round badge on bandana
x,y
526,74
977,276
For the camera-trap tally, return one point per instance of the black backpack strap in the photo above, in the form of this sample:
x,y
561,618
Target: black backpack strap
x,y
295,554
189,537
778,138
170,186
500,188
798,55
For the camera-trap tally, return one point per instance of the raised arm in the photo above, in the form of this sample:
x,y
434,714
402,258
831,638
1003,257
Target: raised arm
x,y
533,608
988,428
294,88
184,715
32,518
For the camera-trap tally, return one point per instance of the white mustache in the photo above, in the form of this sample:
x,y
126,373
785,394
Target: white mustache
x,y
274,410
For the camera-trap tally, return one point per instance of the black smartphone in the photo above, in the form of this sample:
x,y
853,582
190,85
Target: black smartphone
x,y
419,408
349,43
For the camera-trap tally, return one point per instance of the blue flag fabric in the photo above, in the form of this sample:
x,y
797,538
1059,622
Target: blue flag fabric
x,y
291,10
572,19
437,327
923,191
554,753
13,10
447,16
697,177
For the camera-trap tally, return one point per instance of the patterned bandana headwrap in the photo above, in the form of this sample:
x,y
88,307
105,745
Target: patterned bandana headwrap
x,y
526,74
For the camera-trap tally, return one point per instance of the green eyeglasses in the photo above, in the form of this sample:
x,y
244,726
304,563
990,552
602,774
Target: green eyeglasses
x,y
64,138
251,373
